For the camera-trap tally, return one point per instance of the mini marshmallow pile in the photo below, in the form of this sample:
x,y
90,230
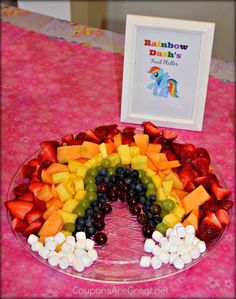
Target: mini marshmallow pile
x,y
76,252
179,247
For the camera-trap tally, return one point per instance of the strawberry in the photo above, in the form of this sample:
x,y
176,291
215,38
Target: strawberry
x,y
19,208
189,147
186,174
203,153
38,168
33,215
29,196
91,136
80,136
201,213
158,140
189,187
169,154
129,131
53,143
151,129
226,204
220,193
214,180
186,156
205,181
18,225
201,165
20,189
103,131
223,216
48,155
210,205
40,205
68,139
113,133
33,228
127,140
169,135
210,227
176,148
35,187
27,171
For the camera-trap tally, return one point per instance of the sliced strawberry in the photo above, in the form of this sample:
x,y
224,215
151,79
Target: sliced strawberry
x,y
223,216
169,154
27,171
210,205
203,153
113,133
40,205
127,140
214,180
201,213
29,196
53,143
33,215
35,187
80,136
176,148
201,165
20,189
151,129
189,147
48,155
128,131
19,208
38,168
186,156
68,139
158,140
91,136
189,187
220,193
33,228
226,204
210,227
186,174
205,181
18,225
169,135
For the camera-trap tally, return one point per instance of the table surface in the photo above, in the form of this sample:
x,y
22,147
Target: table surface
x,y
41,102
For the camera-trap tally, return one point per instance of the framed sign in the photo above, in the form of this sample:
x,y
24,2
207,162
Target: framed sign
x,y
166,69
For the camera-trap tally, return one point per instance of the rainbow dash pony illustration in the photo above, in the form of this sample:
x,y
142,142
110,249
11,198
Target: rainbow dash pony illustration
x,y
163,86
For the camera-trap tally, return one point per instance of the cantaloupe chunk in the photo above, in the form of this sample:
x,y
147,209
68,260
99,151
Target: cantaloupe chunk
x,y
89,149
45,193
117,140
142,141
153,148
54,190
53,208
54,201
195,199
180,193
156,158
68,152
192,219
51,226
151,165
46,177
110,147
57,167
168,164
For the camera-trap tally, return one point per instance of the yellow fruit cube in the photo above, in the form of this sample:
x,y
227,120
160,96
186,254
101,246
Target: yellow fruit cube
x,y
170,220
115,159
168,186
139,162
161,194
70,187
177,182
82,170
179,211
67,217
73,176
134,150
73,165
70,205
157,181
60,177
103,150
97,159
150,172
80,195
79,184
124,153
62,192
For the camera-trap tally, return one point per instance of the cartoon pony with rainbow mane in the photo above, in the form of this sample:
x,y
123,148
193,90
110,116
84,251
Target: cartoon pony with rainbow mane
x,y
163,85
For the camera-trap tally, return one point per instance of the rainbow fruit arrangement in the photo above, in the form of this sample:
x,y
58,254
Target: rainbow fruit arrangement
x,y
71,185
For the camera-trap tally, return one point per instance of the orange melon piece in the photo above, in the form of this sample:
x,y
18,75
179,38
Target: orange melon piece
x,y
192,219
110,147
153,148
68,152
45,193
51,226
57,167
54,201
46,177
166,171
117,140
168,164
151,165
83,160
54,190
89,149
50,211
142,141
180,193
156,158
195,199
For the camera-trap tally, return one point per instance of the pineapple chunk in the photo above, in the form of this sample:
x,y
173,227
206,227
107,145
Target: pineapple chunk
x,y
70,205
67,217
139,162
124,153
150,172
97,159
73,165
103,150
134,150
177,182
80,195
60,177
157,181
168,186
115,159
161,194
79,184
63,193
170,220
70,187
179,211
82,170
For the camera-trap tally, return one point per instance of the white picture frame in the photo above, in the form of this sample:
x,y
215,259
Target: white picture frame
x,y
151,44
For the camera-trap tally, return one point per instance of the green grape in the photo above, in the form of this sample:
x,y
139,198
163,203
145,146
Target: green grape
x,y
91,196
161,227
168,205
69,227
142,173
151,186
118,165
146,180
91,187
92,172
111,171
163,213
89,179
150,192
79,211
106,163
85,204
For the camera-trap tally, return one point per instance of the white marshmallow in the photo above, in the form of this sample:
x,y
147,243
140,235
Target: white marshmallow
x,y
80,236
181,231
63,263
53,260
172,232
175,240
78,252
178,225
168,232
51,253
173,256
43,252
195,241
59,238
36,246
49,238
202,246
149,245
32,239
165,246
89,244
156,250
66,248
62,254
156,263
50,245
178,263
189,238
70,240
190,229
78,265
71,257
156,235
186,257
182,249
195,253
164,257
81,243
172,248
162,239
145,261
92,253
86,260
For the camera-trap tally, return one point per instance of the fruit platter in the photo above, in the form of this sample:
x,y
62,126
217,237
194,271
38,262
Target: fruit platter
x,y
119,204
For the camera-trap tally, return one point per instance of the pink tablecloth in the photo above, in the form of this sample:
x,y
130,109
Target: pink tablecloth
x,y
51,88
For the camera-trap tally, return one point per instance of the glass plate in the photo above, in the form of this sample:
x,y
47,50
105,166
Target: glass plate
x,y
118,260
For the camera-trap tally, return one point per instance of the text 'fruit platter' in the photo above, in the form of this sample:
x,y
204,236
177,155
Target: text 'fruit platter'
x,y
170,188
